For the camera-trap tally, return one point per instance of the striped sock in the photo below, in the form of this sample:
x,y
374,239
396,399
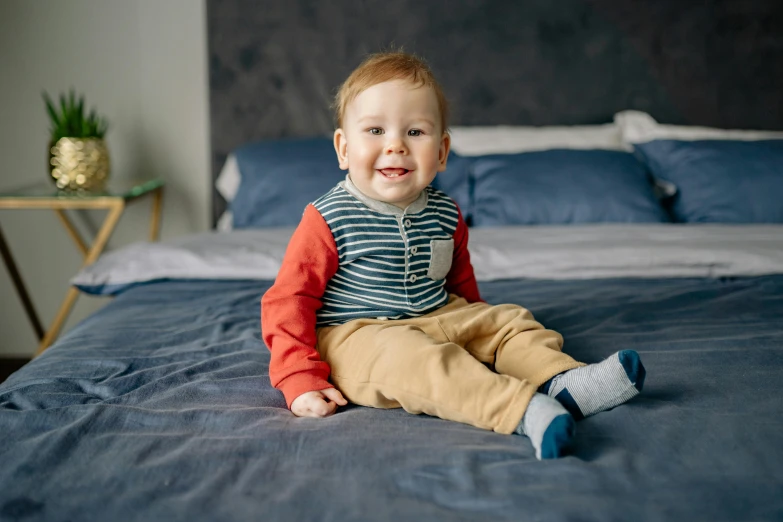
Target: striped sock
x,y
548,426
598,387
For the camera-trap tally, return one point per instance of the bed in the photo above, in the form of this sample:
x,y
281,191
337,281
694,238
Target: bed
x,y
159,406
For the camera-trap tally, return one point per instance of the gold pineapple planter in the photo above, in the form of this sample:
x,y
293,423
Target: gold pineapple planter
x,y
79,163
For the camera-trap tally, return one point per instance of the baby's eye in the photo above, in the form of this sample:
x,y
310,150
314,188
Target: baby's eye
x,y
414,132
376,130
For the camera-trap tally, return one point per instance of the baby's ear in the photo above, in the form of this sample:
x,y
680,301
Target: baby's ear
x,y
443,151
341,148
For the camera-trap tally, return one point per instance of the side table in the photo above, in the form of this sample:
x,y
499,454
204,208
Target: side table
x,y
114,198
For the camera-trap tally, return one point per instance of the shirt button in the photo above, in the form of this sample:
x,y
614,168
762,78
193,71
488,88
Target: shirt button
x,y
414,250
407,223
382,318
412,278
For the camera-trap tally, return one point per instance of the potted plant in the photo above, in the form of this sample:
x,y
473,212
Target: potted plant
x,y
78,156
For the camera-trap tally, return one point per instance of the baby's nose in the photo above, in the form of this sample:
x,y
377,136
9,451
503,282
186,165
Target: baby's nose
x,y
396,146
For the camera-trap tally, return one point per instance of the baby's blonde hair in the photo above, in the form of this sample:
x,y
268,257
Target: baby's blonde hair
x,y
387,66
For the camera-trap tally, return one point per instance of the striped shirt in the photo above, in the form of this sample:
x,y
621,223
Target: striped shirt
x,y
392,262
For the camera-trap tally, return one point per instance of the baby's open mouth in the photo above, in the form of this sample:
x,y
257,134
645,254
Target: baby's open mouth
x,y
393,173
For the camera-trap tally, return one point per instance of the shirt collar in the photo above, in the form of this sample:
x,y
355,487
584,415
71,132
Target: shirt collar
x,y
381,206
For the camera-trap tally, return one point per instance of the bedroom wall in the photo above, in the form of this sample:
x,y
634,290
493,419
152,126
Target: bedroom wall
x,y
143,64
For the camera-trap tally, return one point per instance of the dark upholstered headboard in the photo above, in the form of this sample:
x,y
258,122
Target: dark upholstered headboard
x,y
275,64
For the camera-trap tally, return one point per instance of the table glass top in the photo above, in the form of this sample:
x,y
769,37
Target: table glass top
x,y
123,188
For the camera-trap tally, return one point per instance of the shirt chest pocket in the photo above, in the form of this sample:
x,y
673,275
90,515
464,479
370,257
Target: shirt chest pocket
x,y
442,252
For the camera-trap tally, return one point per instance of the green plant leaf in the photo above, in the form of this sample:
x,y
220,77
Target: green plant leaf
x,y
64,109
72,120
80,112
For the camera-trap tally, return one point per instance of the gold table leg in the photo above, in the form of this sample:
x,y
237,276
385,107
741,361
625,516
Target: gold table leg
x,y
80,244
21,290
157,203
95,250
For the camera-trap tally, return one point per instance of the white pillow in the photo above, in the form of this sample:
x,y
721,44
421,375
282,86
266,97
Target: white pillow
x,y
551,252
239,254
227,184
504,139
640,127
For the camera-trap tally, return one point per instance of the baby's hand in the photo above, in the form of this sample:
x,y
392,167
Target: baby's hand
x,y
319,403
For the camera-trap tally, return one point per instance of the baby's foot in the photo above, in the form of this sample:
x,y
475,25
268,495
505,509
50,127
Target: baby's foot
x,y
598,387
548,425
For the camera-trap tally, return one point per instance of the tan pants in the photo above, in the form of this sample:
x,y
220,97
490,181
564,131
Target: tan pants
x,y
433,364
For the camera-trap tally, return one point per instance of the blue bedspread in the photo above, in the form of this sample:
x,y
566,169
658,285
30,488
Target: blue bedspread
x,y
159,407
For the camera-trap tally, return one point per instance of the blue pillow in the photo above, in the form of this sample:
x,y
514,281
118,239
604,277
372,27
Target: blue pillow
x,y
562,186
280,177
455,182
720,181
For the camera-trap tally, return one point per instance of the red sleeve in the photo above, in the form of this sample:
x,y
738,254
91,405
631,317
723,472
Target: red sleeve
x,y
461,280
288,308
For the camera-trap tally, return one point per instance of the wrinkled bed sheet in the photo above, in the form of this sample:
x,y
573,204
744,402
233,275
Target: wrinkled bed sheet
x,y
159,407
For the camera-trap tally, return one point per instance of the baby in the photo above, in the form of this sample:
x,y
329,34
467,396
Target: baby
x,y
376,301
